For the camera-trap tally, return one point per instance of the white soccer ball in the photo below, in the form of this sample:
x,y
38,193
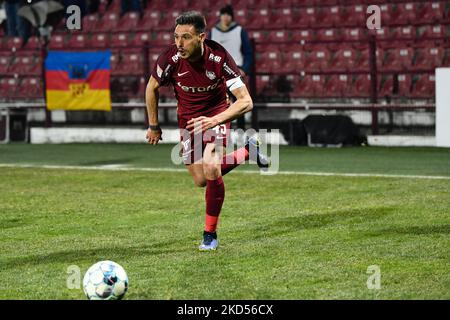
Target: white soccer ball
x,y
105,280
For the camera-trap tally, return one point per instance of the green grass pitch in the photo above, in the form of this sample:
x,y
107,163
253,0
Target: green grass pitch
x,y
281,237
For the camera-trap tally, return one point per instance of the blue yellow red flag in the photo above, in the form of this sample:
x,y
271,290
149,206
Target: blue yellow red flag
x,y
78,80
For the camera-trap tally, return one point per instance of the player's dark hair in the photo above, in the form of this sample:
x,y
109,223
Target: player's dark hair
x,y
193,18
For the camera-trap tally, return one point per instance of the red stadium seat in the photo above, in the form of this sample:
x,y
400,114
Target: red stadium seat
x,y
404,85
407,32
115,62
14,43
309,86
278,36
259,4
356,16
328,35
336,86
241,16
163,38
321,19
149,21
303,36
5,60
141,88
333,16
57,42
447,13
424,86
30,88
446,62
258,36
140,39
103,7
262,84
428,58
385,86
114,7
281,4
317,59
33,43
343,60
387,15
304,17
353,34
168,22
240,4
128,22
8,87
430,12
131,63
120,40
109,22
431,32
361,87
23,65
152,58
99,40
362,63
268,62
213,17
293,62
323,2
381,34
160,5
398,59
259,19
405,13
184,5
77,41
281,18
89,23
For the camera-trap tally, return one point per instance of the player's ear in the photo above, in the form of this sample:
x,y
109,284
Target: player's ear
x,y
202,36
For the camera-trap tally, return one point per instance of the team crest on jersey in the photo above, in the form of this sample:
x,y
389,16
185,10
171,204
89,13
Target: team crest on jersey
x,y
211,75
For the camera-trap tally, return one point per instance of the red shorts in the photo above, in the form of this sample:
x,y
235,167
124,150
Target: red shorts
x,y
193,146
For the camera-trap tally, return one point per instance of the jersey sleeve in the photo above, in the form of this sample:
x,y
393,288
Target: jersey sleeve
x,y
162,70
231,73
230,69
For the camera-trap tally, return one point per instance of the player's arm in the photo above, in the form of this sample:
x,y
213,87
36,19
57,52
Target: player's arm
x,y
242,105
151,100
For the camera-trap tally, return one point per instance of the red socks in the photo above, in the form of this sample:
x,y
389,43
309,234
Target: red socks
x,y
214,196
233,159
215,189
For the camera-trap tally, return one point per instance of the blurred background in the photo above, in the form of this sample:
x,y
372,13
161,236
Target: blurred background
x,y
314,69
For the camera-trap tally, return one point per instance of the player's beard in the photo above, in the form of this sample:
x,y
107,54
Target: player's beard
x,y
196,53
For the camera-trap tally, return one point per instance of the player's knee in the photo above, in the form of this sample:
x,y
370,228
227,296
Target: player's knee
x,y
211,171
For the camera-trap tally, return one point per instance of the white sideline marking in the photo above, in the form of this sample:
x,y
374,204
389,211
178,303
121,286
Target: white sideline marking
x,y
119,167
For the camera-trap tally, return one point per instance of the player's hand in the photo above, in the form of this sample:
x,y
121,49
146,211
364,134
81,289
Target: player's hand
x,y
201,124
153,136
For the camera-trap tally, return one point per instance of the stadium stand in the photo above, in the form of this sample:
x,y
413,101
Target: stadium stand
x,y
320,48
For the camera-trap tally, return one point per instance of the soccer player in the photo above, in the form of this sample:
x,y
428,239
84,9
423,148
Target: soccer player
x,y
200,71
